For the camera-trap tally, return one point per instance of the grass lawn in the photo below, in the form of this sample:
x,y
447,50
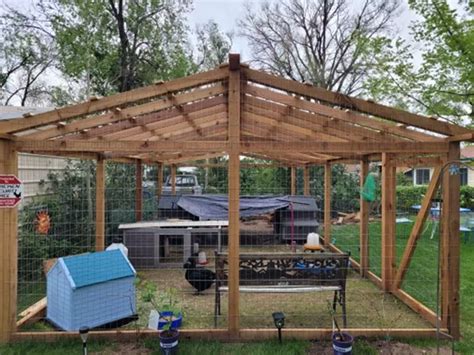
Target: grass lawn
x,y
421,278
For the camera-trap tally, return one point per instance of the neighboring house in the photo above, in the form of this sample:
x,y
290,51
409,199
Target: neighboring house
x,y
422,176
33,169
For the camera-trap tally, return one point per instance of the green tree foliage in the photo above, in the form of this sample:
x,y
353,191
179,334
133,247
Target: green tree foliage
x,y
443,83
213,46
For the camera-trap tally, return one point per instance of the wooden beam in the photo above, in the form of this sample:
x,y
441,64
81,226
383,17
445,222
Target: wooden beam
x,y
355,104
341,148
450,247
8,248
293,180
388,222
364,221
234,193
173,179
138,191
413,161
417,228
113,101
306,188
100,204
159,179
129,147
327,203
32,314
426,313
466,137
223,335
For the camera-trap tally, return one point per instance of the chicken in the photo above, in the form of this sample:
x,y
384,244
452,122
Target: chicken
x,y
199,278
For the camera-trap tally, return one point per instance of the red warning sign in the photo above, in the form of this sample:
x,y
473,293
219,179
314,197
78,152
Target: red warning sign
x,y
11,191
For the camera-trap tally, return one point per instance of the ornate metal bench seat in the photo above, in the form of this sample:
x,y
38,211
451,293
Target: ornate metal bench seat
x,y
286,273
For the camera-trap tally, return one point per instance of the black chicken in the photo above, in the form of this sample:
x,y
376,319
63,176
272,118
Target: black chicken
x,y
199,278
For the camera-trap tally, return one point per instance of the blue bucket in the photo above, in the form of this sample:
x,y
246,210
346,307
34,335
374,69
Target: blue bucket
x,y
169,342
342,347
175,324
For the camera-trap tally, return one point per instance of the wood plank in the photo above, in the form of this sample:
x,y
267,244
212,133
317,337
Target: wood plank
x,y
293,180
306,187
173,179
417,306
450,246
113,101
224,335
234,193
364,221
119,146
417,228
32,314
355,104
466,137
159,180
340,148
131,124
138,191
8,248
388,222
414,161
342,120
100,204
327,203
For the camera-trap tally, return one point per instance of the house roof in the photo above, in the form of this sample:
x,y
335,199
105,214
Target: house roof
x,y
190,119
94,268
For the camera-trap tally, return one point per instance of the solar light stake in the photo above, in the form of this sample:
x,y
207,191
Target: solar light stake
x,y
279,320
84,333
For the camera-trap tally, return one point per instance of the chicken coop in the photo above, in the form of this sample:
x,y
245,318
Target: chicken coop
x,y
246,133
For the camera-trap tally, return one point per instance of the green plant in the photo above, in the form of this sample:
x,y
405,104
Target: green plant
x,y
162,301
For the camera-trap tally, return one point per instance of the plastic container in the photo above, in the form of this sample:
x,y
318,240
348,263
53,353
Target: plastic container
x,y
312,239
164,319
342,347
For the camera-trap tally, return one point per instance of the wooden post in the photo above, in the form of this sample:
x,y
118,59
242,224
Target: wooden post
x,y
450,247
159,180
100,204
388,222
173,179
8,248
234,194
293,181
306,191
138,191
327,203
364,221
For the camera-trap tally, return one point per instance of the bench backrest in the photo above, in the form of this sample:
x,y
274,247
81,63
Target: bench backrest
x,y
273,269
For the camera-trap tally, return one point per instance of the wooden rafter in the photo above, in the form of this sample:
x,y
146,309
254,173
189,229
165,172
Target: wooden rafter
x,y
113,101
355,104
126,113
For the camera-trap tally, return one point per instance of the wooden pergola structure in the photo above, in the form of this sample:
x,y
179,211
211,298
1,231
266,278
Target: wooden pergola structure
x,y
234,110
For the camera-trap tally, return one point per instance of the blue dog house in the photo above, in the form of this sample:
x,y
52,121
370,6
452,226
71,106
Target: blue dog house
x,y
90,290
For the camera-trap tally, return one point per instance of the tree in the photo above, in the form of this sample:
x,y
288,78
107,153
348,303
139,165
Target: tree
x,y
114,45
443,83
213,46
323,42
25,56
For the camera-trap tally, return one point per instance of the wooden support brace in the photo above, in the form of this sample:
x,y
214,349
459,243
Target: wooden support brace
x,y
450,245
173,179
159,180
417,228
306,189
138,191
388,222
8,248
293,181
234,194
364,221
327,203
100,205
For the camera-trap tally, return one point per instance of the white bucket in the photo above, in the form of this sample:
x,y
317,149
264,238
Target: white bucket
x,y
312,239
